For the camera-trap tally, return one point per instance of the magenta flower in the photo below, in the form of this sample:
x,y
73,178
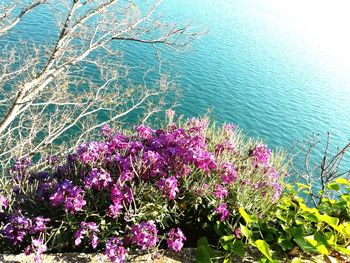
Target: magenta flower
x,y
69,195
229,173
39,224
98,179
222,211
38,247
144,235
115,250
229,128
87,229
225,146
176,239
17,229
261,154
4,203
220,192
168,186
144,132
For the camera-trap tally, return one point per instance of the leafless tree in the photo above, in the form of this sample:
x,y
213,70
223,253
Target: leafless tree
x,y
317,174
46,94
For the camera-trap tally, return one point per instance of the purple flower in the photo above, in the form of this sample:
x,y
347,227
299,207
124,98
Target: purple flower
x,y
229,173
168,186
229,128
278,192
176,239
98,179
4,203
87,229
261,154
20,167
222,211
225,146
69,195
39,224
144,235
119,195
17,228
144,132
220,192
39,248
106,131
237,232
115,250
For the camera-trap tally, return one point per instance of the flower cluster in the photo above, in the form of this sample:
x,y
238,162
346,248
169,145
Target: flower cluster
x,y
115,250
174,172
176,239
72,197
4,203
87,229
143,235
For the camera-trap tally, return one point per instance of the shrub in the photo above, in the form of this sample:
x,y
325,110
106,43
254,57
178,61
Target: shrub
x,y
138,190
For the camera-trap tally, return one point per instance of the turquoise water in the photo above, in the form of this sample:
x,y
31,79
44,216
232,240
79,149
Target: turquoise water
x,y
281,72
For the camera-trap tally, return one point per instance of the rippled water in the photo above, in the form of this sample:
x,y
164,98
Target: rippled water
x,y
277,74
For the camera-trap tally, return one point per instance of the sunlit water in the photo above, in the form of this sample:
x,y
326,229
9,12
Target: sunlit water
x,y
278,70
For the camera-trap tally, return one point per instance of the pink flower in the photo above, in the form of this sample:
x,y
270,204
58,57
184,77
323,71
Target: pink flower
x,y
220,192
115,250
168,186
176,239
222,211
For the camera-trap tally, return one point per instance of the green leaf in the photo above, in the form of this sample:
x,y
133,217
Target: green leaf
x,y
245,216
297,260
333,186
304,244
264,248
202,255
284,243
245,231
343,181
319,243
203,241
203,251
238,247
226,242
330,220
342,250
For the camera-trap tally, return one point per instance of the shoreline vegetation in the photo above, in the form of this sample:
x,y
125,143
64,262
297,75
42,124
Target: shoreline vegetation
x,y
186,184
74,183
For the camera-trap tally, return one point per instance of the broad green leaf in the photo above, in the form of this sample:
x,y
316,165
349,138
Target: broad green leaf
x,y
319,243
226,242
247,218
343,181
245,231
330,238
264,248
304,244
202,254
203,251
330,220
284,243
342,250
203,241
238,248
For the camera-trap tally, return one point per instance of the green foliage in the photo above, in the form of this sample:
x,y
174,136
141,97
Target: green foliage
x,y
322,230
